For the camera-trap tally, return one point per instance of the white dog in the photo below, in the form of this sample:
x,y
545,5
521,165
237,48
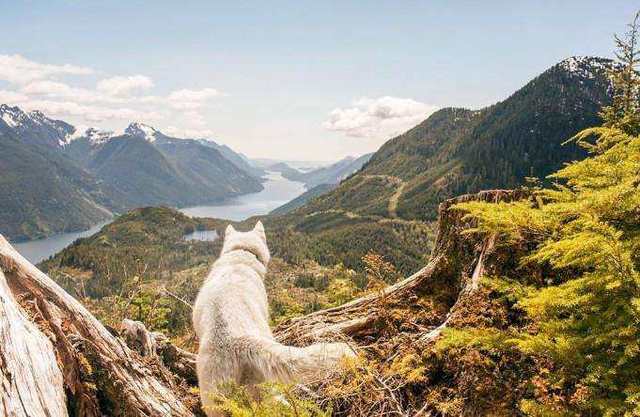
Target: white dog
x,y
231,319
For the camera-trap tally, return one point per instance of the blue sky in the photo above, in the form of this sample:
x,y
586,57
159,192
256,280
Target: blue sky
x,y
295,80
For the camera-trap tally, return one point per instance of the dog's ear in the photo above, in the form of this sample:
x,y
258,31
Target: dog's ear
x,y
229,230
259,229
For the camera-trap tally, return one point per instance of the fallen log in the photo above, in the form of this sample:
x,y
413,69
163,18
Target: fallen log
x,y
58,352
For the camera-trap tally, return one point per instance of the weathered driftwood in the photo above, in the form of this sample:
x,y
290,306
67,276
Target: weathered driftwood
x,y
79,361
457,263
35,390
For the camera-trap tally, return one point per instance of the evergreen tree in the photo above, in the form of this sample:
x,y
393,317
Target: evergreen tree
x,y
588,228
623,112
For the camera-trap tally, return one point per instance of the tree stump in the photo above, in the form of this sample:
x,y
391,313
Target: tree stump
x,y
457,263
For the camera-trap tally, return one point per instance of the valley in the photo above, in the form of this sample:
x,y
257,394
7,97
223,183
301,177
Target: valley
x,y
320,209
403,252
383,211
277,191
60,179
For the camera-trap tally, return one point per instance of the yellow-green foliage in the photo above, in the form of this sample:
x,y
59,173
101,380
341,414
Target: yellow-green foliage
x,y
588,226
267,400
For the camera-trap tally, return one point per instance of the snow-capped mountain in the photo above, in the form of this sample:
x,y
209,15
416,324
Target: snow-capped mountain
x,y
93,135
589,67
68,178
34,126
143,131
78,142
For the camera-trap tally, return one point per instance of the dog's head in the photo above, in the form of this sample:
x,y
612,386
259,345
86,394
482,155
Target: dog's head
x,y
254,241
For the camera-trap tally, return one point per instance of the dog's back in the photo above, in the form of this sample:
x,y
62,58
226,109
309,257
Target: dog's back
x,y
231,320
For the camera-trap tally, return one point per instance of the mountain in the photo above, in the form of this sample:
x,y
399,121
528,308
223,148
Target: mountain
x,y
458,151
331,174
208,169
34,127
168,171
236,158
337,172
304,166
454,151
58,178
82,145
44,192
287,171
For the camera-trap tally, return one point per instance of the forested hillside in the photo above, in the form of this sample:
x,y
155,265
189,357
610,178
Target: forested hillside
x,y
457,151
142,267
393,199
44,192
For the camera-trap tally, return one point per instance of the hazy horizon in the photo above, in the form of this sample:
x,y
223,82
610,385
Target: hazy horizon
x,y
288,80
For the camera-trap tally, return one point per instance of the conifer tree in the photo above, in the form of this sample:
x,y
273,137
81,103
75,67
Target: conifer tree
x,y
623,112
586,321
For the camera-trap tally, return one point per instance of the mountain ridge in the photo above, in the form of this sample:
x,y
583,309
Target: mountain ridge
x,y
454,151
458,151
330,174
98,173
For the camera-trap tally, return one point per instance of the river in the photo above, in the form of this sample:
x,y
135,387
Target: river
x,y
277,191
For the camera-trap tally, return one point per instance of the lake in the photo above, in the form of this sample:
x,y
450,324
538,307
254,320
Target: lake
x,y
202,235
277,191
39,250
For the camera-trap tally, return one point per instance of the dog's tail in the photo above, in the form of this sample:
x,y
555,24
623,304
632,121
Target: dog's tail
x,y
272,361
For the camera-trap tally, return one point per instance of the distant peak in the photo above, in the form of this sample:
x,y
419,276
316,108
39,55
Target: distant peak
x,y
586,66
15,117
36,125
12,116
7,108
141,130
37,113
94,135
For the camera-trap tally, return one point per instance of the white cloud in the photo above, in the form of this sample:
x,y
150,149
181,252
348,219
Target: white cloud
x,y
90,113
381,117
56,89
191,99
116,100
124,85
16,69
12,97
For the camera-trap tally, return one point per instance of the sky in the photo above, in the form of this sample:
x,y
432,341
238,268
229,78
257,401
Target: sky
x,y
305,80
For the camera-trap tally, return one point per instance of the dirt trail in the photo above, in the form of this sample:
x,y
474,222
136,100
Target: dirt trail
x,y
392,207
393,201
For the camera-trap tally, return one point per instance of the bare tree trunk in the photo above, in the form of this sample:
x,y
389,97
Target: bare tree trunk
x,y
54,351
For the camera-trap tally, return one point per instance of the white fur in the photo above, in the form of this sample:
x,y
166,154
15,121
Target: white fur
x,y
231,319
